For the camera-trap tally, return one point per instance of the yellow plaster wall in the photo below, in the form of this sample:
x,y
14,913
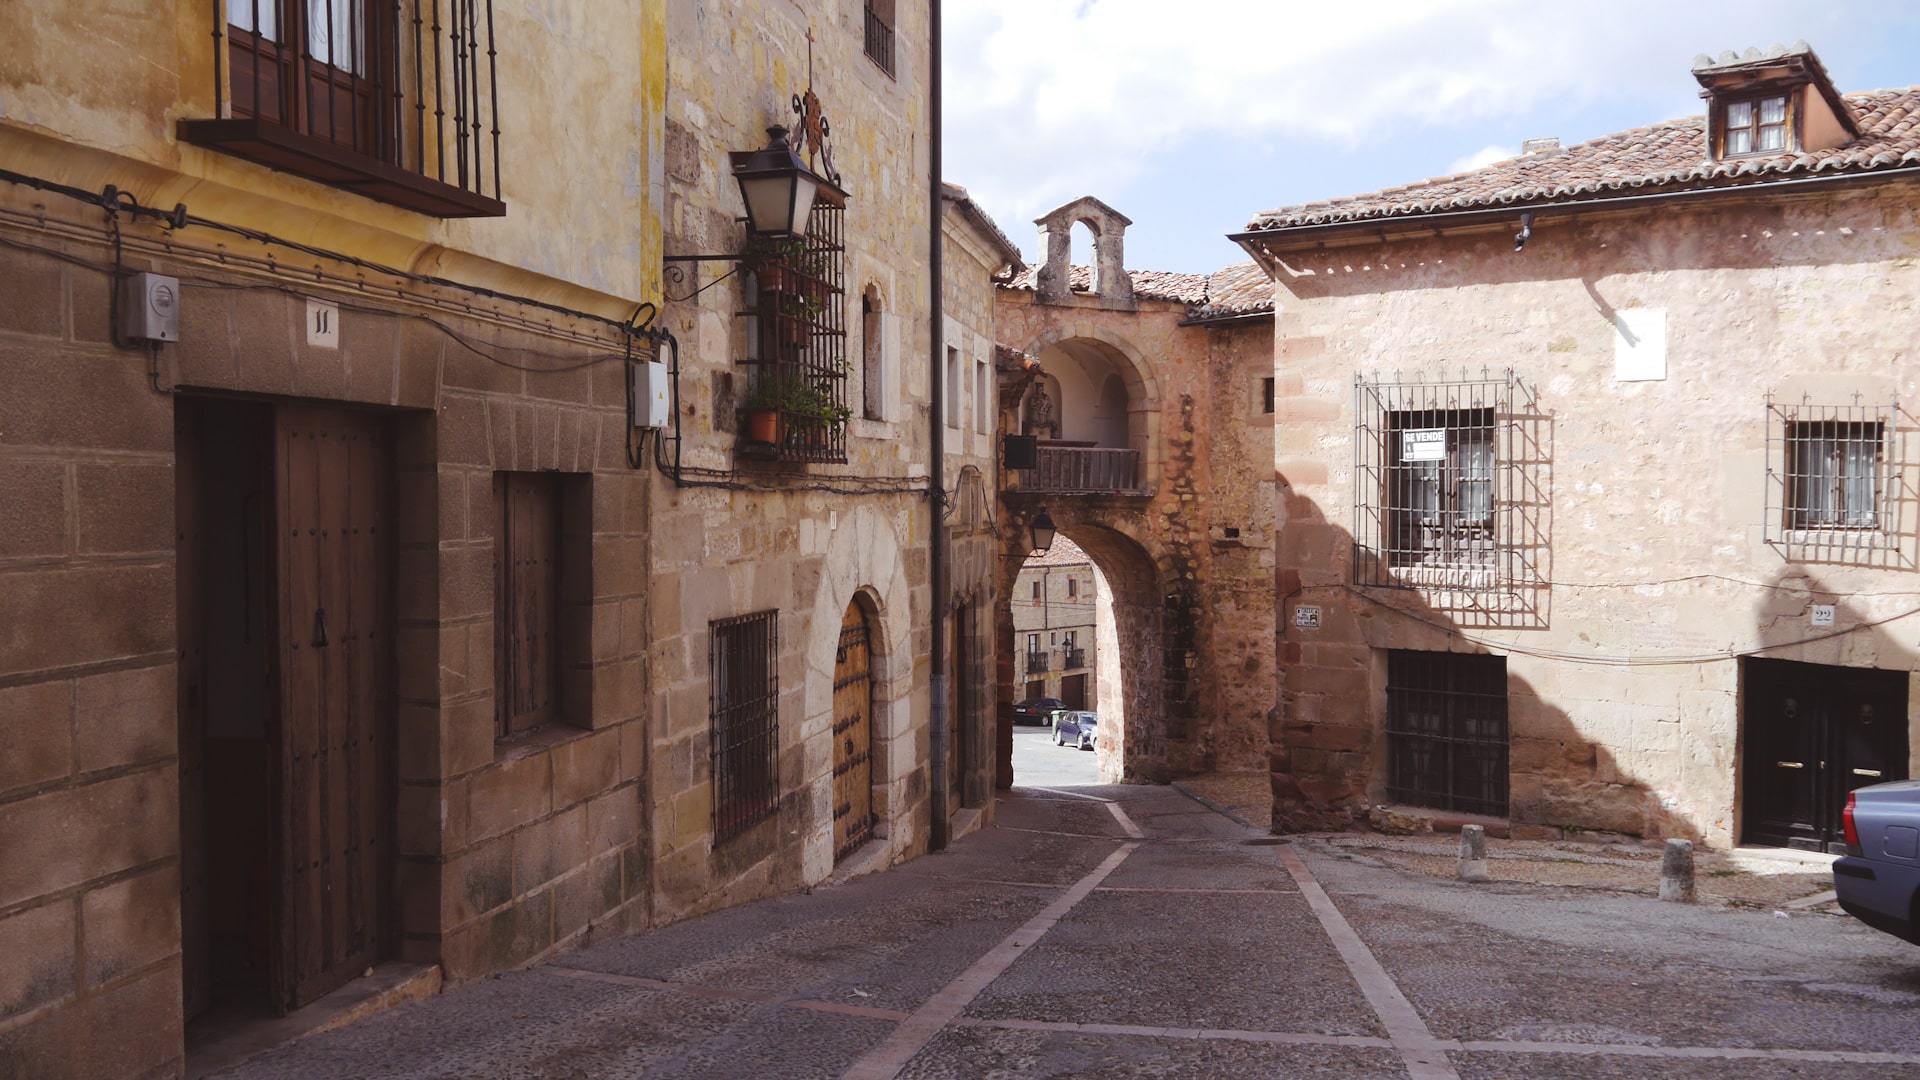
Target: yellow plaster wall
x,y
91,94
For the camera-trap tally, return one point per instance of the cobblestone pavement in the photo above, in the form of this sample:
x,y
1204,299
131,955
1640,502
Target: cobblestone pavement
x,y
1131,932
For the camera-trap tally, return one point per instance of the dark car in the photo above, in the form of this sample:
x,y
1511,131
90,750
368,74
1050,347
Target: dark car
x,y
1075,727
1878,879
1035,710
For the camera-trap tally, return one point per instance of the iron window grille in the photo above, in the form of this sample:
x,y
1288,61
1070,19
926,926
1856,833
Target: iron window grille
x,y
879,43
397,100
800,344
1076,658
1037,662
1831,475
1436,480
744,709
1447,731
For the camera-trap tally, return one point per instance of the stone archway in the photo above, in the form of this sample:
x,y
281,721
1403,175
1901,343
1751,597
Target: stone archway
x,y
1152,620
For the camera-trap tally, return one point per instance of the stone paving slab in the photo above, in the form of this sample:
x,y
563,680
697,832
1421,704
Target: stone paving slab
x,y
1496,1066
1031,1055
1185,960
1209,865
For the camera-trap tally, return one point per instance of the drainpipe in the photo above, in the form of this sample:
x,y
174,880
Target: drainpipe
x,y
938,722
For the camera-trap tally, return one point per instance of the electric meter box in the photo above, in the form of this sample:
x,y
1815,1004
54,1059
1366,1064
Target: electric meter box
x,y
652,396
149,307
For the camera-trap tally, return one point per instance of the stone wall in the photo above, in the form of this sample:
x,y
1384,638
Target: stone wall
x,y
1649,498
1196,657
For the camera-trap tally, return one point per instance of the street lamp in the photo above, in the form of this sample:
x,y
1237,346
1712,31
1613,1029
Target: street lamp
x,y
1043,530
776,186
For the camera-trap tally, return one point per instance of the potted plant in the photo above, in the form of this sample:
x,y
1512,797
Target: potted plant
x,y
786,397
771,259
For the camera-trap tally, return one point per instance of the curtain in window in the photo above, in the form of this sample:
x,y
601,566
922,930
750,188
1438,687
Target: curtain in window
x,y
1474,496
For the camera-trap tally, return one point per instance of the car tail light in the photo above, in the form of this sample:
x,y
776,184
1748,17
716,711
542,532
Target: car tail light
x,y
1849,829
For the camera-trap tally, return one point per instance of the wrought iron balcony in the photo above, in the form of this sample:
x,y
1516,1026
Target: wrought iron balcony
x,y
1037,662
1082,469
1075,658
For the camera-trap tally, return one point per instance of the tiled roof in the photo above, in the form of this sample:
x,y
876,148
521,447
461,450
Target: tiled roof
x,y
1064,552
1240,289
1660,157
972,211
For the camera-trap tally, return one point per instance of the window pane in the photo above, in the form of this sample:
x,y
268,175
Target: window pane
x,y
1740,114
1773,137
336,35
255,15
1773,111
1859,465
1740,141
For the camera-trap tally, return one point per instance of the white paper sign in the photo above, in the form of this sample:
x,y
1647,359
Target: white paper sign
x,y
1306,617
1424,444
323,324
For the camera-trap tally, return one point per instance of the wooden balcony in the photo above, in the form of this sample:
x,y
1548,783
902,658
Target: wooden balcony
x,y
1081,469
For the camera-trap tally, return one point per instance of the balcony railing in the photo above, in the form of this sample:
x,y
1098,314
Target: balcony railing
x,y
1092,469
396,100
1075,658
1037,662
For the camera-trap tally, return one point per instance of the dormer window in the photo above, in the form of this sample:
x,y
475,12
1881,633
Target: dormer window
x,y
1756,126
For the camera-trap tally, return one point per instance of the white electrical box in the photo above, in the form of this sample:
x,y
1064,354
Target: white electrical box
x,y
149,307
652,404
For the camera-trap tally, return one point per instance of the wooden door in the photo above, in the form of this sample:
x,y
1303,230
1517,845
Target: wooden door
x,y
330,471
852,735
1073,690
1813,733
526,546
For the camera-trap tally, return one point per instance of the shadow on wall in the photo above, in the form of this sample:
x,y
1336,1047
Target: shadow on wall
x,y
1388,701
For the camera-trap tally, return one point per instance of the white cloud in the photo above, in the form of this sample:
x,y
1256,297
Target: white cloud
x,y
1482,158
1047,100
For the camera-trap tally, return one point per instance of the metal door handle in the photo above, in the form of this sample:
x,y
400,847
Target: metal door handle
x,y
320,628
1875,773
1791,764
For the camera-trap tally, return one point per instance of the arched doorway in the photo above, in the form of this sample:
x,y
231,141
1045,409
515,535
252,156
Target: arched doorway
x,y
852,735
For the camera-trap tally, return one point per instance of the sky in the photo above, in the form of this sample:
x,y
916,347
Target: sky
x,y
1192,117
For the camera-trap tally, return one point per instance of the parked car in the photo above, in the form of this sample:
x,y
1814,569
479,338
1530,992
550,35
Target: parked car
x,y
1878,879
1075,727
1036,710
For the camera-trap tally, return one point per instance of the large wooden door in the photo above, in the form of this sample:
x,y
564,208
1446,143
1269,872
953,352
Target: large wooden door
x,y
852,735
1813,733
330,471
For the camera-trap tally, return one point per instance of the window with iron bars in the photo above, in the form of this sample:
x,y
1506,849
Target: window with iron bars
x,y
1447,731
799,352
1434,480
744,710
1830,473
880,33
393,99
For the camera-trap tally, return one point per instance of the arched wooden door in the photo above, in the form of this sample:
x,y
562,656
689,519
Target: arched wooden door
x,y
852,735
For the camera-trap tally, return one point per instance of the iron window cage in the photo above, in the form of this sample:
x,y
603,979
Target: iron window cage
x,y
744,711
798,329
1833,475
397,100
1437,482
1447,731
879,36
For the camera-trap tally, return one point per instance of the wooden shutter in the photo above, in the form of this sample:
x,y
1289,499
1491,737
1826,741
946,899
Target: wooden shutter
x,y
526,601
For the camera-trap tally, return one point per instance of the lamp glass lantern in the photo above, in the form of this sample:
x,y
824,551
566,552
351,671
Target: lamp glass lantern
x,y
777,187
1043,531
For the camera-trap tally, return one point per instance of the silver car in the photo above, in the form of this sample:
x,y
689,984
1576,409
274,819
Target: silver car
x,y
1878,880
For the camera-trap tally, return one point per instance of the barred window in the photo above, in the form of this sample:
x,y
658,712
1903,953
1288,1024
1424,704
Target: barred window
x,y
744,708
1830,470
1436,478
1447,730
799,385
880,33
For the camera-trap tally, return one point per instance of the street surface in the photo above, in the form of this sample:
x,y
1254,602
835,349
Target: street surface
x,y
1149,936
1039,763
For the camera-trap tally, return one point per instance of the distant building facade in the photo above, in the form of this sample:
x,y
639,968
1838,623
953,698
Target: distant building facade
x,y
1055,601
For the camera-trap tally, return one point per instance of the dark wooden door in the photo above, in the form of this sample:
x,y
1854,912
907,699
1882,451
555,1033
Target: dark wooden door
x,y
1073,690
527,582
852,735
1813,733
330,471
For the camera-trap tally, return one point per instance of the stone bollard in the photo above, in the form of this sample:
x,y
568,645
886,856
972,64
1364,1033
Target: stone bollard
x,y
1473,853
1676,872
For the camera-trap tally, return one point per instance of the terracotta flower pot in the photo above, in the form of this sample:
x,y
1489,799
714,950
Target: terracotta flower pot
x,y
763,425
